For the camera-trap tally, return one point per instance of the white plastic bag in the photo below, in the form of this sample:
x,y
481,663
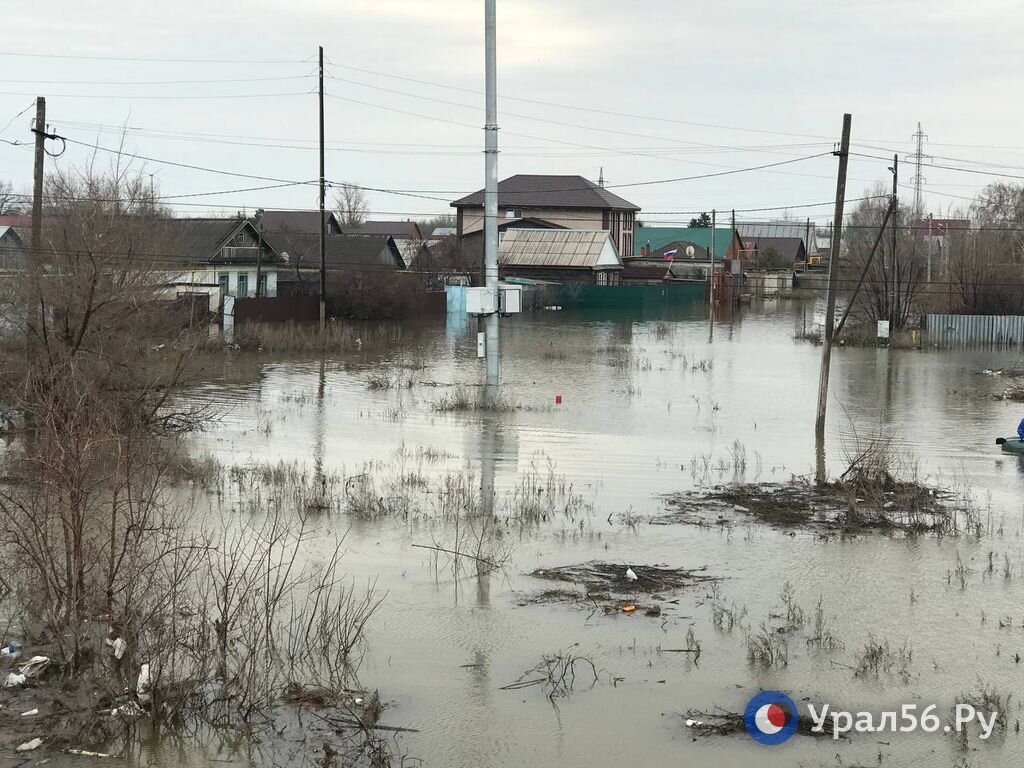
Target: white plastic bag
x,y
142,687
14,680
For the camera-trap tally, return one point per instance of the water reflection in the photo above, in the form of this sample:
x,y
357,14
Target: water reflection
x,y
644,394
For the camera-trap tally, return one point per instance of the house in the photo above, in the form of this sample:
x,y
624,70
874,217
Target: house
x,y
678,260
18,220
299,222
472,244
363,254
572,202
728,245
793,230
560,255
777,252
223,257
937,233
406,234
12,249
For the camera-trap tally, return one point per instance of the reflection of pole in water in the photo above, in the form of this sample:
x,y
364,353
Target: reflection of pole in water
x,y
318,430
488,460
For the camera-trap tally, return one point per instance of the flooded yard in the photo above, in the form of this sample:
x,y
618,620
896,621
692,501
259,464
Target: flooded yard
x,y
491,661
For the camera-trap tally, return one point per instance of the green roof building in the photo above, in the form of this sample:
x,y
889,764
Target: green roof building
x,y
727,242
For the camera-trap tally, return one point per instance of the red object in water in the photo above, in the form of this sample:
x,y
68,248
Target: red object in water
x,y
558,399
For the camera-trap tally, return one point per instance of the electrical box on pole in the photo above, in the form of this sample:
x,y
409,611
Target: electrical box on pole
x,y
481,301
510,300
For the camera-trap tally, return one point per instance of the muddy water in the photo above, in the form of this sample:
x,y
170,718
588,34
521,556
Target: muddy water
x,y
650,406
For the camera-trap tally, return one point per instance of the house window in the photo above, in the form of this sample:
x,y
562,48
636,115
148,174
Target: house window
x,y
602,278
240,239
263,285
243,285
224,280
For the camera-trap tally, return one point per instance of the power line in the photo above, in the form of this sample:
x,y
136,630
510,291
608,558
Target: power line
x,y
609,150
430,192
26,109
163,97
611,113
160,82
561,123
359,147
151,59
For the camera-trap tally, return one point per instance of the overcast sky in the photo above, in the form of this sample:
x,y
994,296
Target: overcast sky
x,y
700,88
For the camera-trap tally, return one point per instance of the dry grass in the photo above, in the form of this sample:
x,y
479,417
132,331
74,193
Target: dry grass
x,y
338,336
464,399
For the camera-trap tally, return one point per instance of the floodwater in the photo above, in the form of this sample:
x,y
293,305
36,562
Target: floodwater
x,y
652,405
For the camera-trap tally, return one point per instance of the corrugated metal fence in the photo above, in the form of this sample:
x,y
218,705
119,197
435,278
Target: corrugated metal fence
x,y
983,330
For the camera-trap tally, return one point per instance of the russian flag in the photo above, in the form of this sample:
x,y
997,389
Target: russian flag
x,y
669,255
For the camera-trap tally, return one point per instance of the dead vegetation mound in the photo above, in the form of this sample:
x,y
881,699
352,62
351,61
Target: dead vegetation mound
x,y
842,506
608,587
611,577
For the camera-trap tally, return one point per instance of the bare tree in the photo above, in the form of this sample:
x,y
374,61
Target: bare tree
x,y
90,361
893,282
10,203
984,264
351,205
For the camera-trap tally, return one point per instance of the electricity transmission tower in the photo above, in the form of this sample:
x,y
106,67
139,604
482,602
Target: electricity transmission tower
x,y
918,159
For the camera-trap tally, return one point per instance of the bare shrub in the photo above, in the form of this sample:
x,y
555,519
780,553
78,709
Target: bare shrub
x,y
767,647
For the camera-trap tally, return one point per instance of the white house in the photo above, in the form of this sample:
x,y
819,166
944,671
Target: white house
x,y
224,257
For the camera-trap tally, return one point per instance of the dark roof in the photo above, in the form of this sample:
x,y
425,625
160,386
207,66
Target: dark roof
x,y
306,222
546,191
201,239
400,230
11,236
340,250
787,247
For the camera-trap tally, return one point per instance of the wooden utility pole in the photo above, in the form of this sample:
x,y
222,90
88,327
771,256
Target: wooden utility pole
x,y
323,221
259,251
37,178
711,275
895,264
807,243
830,305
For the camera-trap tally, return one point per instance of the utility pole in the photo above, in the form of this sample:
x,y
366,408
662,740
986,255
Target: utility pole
x,y
929,275
37,179
830,306
259,250
323,221
711,274
492,338
807,243
894,307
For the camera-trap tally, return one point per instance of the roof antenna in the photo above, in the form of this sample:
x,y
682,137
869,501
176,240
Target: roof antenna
x,y
600,179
